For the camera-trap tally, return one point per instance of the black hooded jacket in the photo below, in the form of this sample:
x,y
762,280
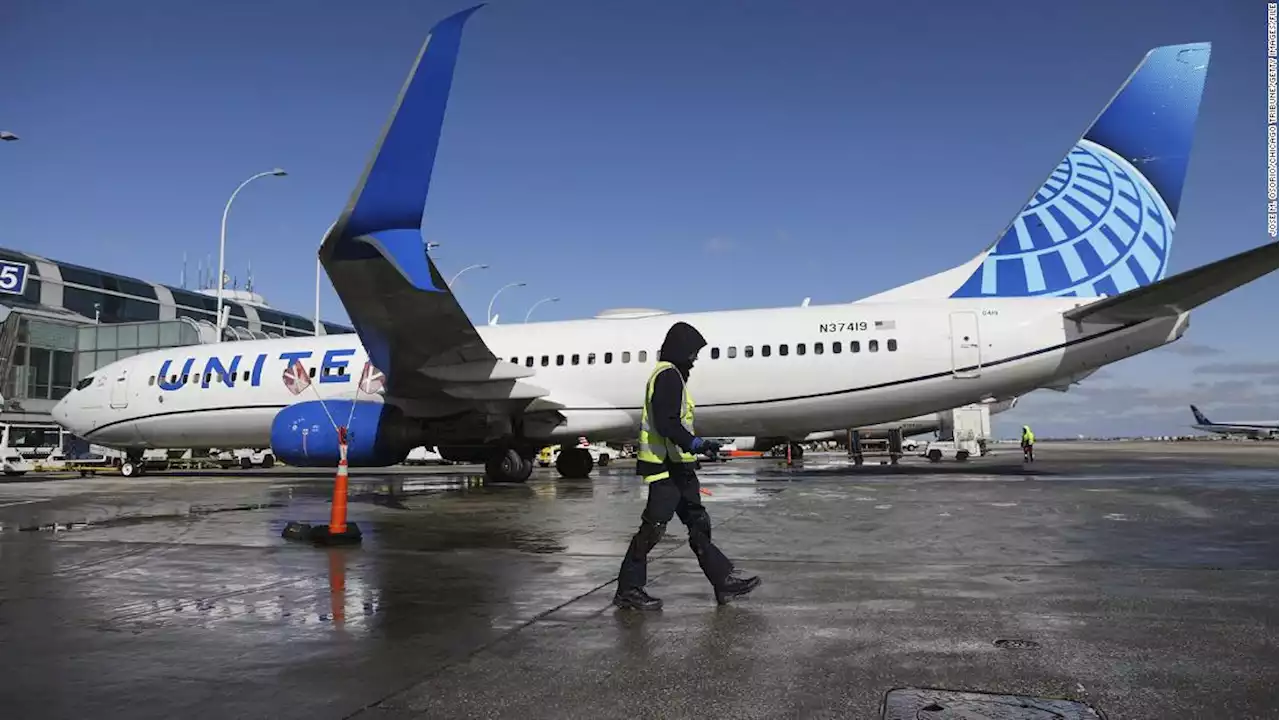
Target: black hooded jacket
x,y
682,343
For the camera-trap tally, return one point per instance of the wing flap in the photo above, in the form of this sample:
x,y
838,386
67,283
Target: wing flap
x,y
1182,292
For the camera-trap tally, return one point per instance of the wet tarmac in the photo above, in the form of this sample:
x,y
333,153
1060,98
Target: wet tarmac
x,y
1139,579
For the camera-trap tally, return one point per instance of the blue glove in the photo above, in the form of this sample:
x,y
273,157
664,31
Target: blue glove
x,y
710,448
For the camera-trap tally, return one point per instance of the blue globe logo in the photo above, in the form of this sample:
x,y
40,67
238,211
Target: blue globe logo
x,y
1096,227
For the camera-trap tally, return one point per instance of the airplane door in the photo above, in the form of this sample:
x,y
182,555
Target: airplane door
x,y
966,352
120,390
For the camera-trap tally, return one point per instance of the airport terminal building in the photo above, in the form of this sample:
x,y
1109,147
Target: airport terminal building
x,y
60,322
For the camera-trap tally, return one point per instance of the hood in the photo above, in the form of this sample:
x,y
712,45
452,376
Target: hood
x,y
682,343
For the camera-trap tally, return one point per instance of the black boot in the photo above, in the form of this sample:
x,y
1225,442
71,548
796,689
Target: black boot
x,y
734,587
636,599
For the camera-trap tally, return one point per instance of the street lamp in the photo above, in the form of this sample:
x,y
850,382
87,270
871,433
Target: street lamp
x,y
7,136
222,241
488,316
550,299
469,267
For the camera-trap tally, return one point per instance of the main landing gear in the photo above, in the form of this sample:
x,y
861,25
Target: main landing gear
x,y
509,466
515,465
574,463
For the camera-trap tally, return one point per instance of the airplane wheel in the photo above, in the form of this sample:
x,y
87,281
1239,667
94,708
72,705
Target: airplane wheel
x,y
604,459
128,468
574,463
508,467
797,451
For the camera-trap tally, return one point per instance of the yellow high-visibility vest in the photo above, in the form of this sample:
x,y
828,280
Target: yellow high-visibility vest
x,y
1028,436
655,448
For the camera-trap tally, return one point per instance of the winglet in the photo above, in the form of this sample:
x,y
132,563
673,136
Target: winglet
x,y
384,213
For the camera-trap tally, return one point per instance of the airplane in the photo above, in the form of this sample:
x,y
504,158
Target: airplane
x,y
919,425
1075,282
1256,429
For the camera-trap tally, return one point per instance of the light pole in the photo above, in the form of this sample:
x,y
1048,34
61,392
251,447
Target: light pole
x,y
222,242
469,267
550,299
488,316
318,269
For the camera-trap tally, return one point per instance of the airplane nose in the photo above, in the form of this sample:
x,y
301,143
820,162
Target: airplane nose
x,y
60,414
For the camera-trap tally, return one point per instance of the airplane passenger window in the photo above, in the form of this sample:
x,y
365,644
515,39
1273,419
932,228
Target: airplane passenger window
x,y
312,372
528,362
893,345
574,359
853,346
559,360
715,353
733,351
546,360
591,358
799,348
515,361
608,358
782,349
246,376
150,381
626,356
873,346
764,351
835,347
642,356
748,351
184,378
817,348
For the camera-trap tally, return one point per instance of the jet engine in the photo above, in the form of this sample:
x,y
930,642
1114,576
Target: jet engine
x,y
378,435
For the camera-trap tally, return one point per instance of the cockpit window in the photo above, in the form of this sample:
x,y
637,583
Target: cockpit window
x,y
84,383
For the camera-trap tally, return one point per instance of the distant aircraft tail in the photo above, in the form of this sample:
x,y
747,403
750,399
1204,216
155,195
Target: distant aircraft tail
x,y
1200,418
1103,221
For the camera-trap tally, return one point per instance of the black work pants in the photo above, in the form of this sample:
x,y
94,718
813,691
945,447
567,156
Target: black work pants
x,y
676,495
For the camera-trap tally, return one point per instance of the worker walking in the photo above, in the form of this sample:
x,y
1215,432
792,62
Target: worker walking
x,y
666,461
1028,444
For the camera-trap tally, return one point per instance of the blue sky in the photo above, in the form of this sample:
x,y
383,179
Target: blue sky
x,y
783,149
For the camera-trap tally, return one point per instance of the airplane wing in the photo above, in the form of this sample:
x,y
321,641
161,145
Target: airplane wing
x,y
1182,292
408,320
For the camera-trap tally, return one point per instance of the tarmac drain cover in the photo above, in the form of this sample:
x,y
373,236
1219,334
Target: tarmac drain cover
x,y
931,704
1016,644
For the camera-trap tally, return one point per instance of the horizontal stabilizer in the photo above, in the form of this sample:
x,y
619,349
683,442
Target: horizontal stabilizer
x,y
1182,292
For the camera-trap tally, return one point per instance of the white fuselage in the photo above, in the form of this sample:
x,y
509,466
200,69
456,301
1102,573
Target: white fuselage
x,y
945,353
1251,428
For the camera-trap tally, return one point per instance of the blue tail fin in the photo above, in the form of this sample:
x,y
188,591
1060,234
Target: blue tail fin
x,y
1103,222
1200,418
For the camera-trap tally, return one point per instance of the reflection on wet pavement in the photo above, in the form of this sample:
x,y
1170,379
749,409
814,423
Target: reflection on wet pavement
x,y
1141,586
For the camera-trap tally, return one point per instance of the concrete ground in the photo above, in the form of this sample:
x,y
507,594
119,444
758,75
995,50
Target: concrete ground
x,y
1139,578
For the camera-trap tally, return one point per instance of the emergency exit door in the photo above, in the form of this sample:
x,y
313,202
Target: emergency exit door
x,y
966,351
120,390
